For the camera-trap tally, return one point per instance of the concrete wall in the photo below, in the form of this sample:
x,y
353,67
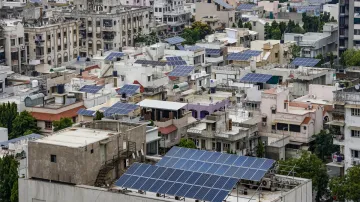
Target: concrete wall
x,y
33,190
210,9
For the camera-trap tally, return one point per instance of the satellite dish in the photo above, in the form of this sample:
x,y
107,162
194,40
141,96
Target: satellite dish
x,y
357,87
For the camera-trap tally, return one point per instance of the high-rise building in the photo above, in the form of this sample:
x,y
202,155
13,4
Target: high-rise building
x,y
349,25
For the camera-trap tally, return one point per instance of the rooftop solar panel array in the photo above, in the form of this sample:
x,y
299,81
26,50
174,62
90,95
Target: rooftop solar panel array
x,y
245,7
175,182
224,4
85,112
307,62
256,78
175,61
180,47
243,56
194,48
175,40
228,165
91,88
114,55
150,62
181,71
120,108
128,89
215,52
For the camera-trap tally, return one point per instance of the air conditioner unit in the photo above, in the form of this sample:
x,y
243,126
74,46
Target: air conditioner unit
x,y
356,162
266,183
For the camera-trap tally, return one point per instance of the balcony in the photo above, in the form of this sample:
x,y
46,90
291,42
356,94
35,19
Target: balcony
x,y
82,26
108,28
14,62
338,140
39,56
108,39
14,49
210,19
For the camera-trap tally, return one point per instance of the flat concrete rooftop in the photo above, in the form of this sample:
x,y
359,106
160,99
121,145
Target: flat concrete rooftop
x,y
75,137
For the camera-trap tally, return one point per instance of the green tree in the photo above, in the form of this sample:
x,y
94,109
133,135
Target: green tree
x,y
321,58
63,123
233,25
248,25
308,166
98,115
350,57
187,143
8,112
23,124
282,27
276,34
8,179
240,24
323,146
295,51
267,30
346,188
260,150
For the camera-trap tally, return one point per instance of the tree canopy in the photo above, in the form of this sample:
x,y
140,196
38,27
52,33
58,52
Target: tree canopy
x,y
295,51
260,149
187,143
308,166
323,145
346,188
350,57
148,39
63,123
23,124
316,23
8,179
8,112
98,115
276,30
197,32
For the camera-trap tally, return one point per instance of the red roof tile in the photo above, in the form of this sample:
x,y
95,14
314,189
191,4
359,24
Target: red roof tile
x,y
56,117
306,120
167,130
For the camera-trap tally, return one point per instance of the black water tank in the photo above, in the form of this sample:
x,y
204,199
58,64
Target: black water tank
x,y
60,88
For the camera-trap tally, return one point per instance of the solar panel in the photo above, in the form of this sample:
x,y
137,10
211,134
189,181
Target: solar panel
x,y
180,47
307,62
194,48
114,55
256,78
245,6
195,185
243,56
90,88
175,40
181,71
215,52
209,163
175,61
120,108
150,62
128,89
224,4
85,112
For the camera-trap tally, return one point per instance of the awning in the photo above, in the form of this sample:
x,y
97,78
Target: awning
x,y
336,123
167,130
354,128
352,106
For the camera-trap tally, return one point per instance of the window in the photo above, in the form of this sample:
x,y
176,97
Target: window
x,y
282,126
1,87
149,78
160,9
276,55
92,151
273,111
13,42
356,31
237,145
53,158
156,9
356,20
49,50
49,37
285,105
355,112
294,128
59,35
355,133
254,24
48,125
355,153
304,127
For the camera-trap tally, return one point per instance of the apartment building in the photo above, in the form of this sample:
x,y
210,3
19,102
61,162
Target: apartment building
x,y
52,43
172,119
12,46
173,14
106,26
346,128
218,132
349,25
103,146
313,44
218,14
